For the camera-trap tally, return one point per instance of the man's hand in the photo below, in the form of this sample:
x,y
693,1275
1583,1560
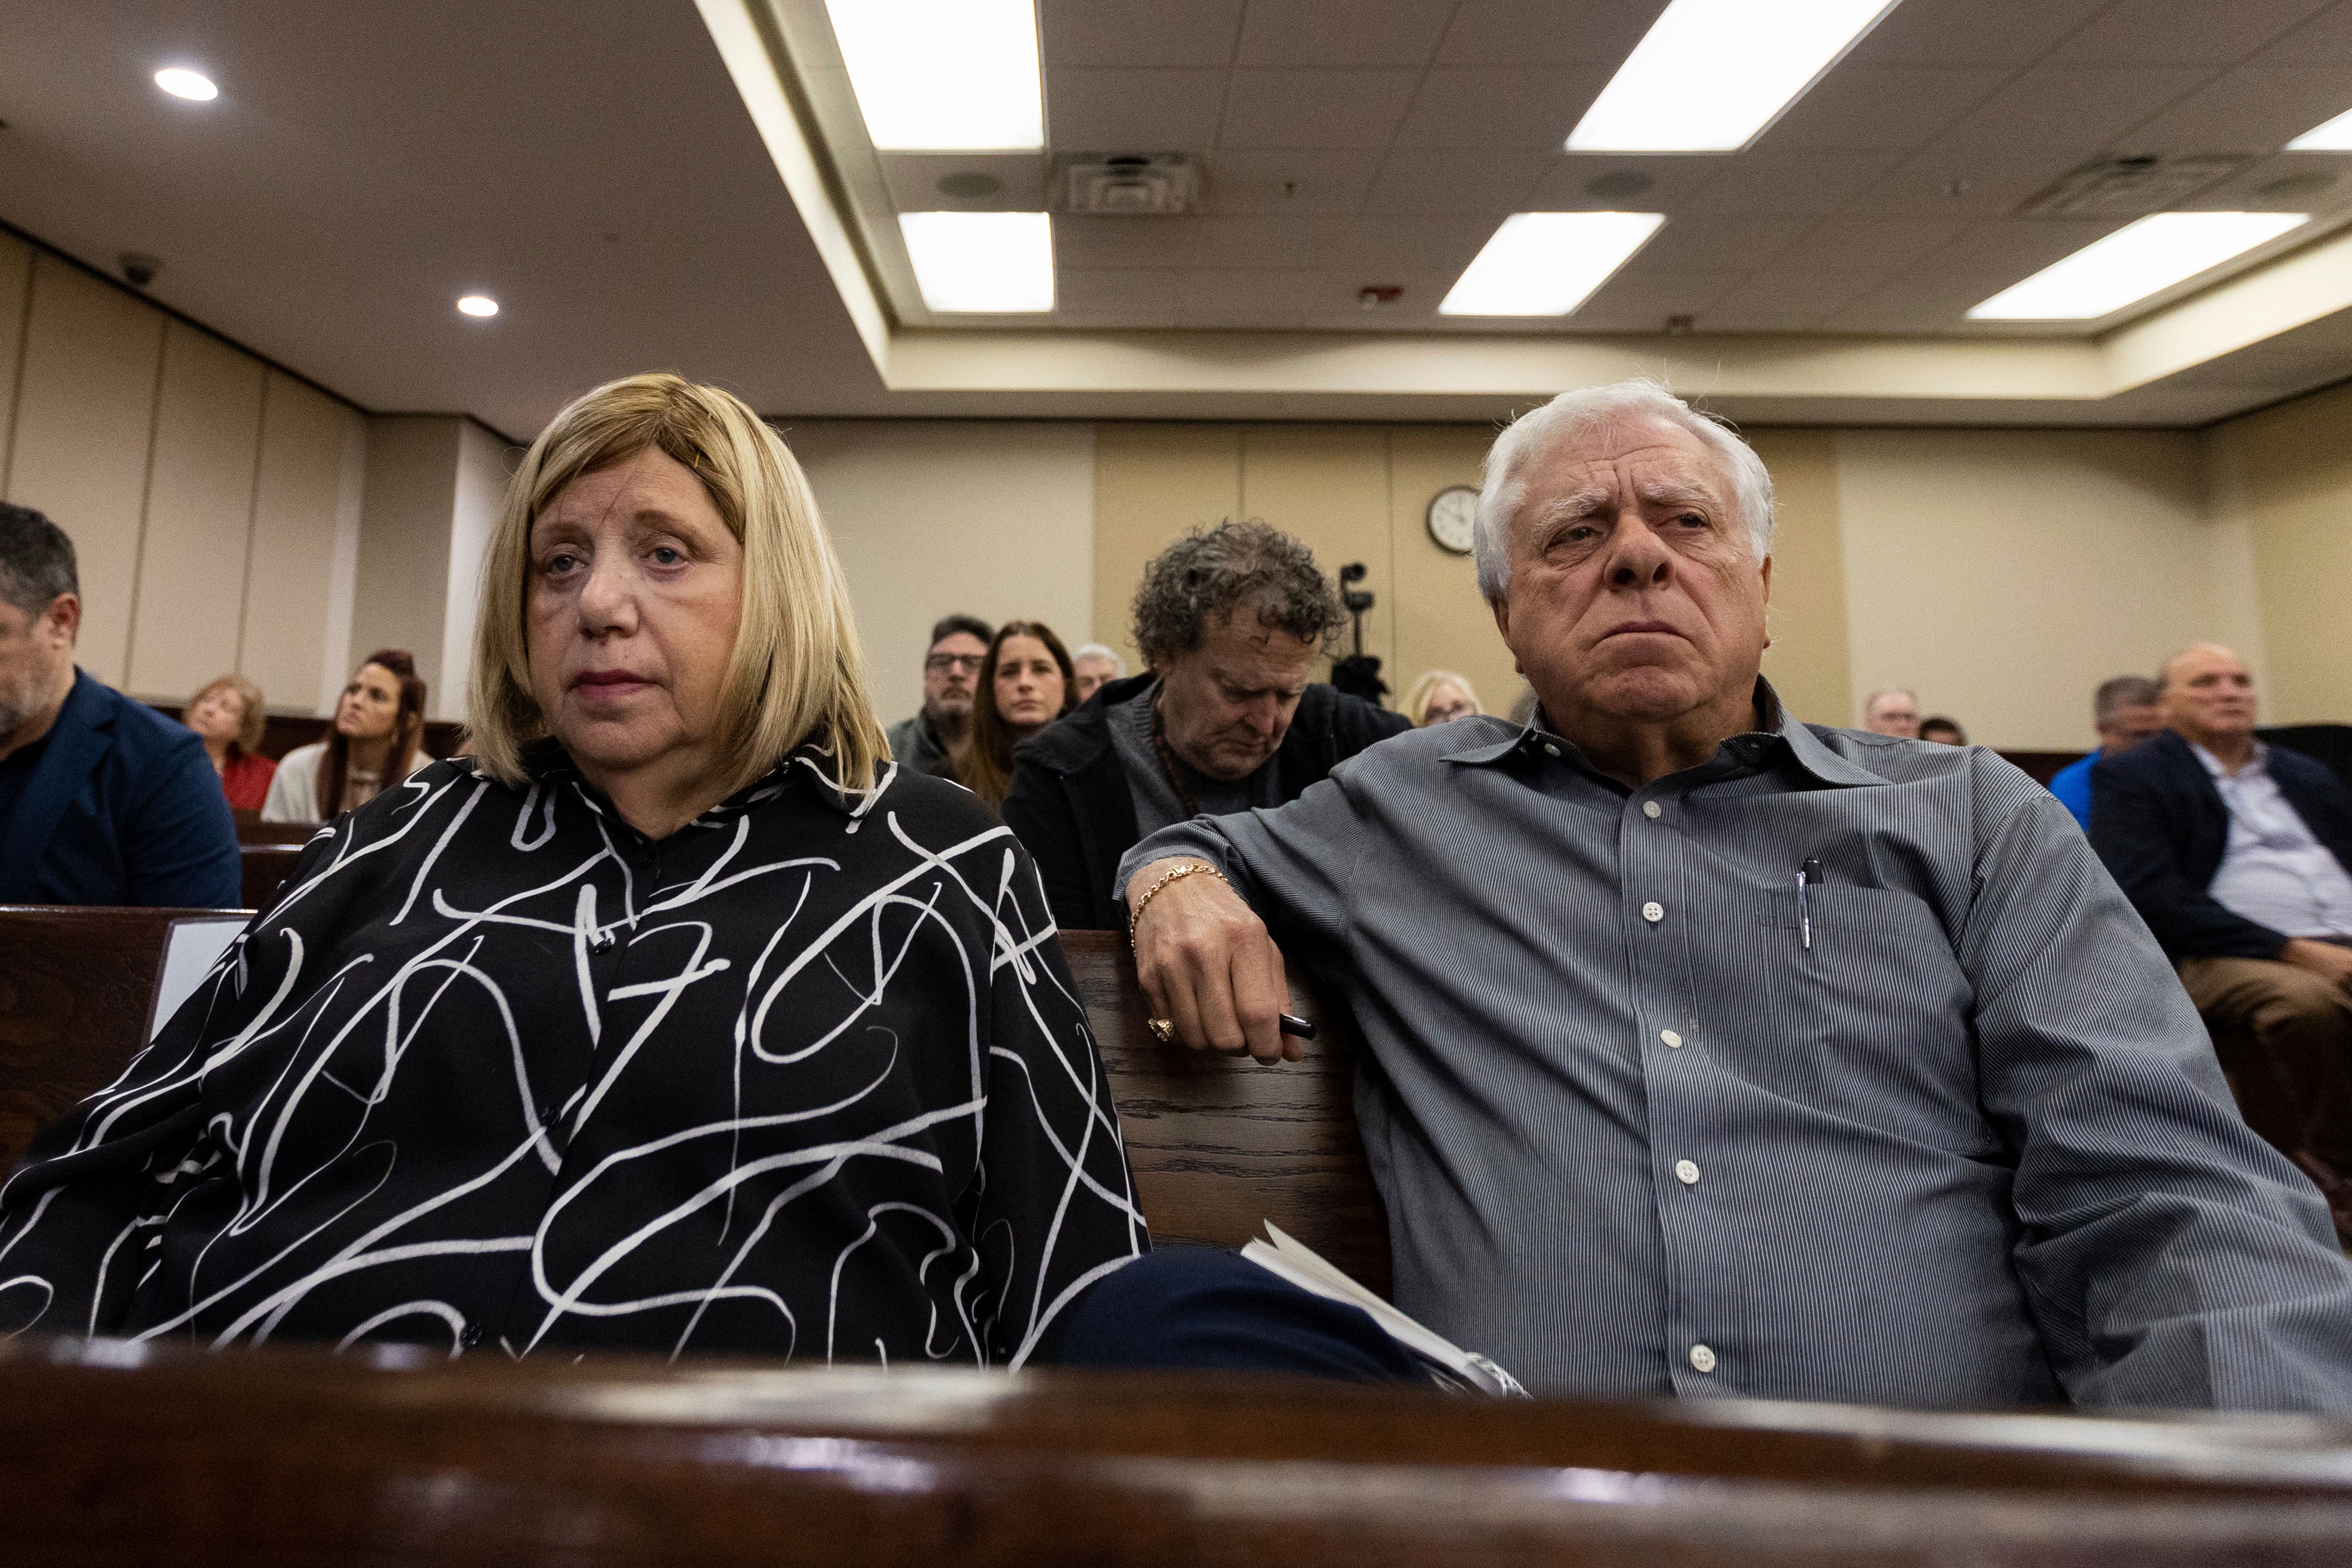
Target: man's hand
x,y
2322,958
1207,963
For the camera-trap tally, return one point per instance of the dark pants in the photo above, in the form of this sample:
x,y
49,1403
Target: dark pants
x,y
1199,1308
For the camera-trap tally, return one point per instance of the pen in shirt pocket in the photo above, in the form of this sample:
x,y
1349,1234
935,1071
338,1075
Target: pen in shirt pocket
x,y
1807,875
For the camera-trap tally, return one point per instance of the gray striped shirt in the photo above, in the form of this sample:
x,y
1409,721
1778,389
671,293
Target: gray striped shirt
x,y
1946,1133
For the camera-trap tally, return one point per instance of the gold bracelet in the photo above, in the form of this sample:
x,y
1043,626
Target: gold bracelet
x,y
1179,874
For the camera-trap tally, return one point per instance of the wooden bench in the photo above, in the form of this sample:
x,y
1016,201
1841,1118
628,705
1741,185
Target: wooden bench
x,y
145,1454
1218,1145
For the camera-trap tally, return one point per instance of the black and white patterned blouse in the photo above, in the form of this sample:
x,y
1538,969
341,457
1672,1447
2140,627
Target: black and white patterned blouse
x,y
807,1079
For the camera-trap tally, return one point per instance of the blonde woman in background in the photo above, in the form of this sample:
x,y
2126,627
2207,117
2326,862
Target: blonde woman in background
x,y
376,741
1440,696
653,1025
227,713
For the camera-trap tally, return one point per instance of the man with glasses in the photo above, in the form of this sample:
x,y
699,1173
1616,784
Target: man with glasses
x,y
935,739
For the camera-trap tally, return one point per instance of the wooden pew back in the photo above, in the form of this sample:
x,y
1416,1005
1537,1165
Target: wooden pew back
x,y
1219,1145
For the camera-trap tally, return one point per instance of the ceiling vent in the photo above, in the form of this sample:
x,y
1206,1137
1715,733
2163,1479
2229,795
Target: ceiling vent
x,y
2129,187
1131,184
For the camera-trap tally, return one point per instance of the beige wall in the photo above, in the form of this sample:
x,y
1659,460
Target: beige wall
x,y
2284,479
210,498
996,520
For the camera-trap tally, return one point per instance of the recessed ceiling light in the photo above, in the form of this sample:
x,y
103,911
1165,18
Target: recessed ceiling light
x,y
478,305
2136,261
938,76
983,263
1710,74
1547,263
2335,136
181,82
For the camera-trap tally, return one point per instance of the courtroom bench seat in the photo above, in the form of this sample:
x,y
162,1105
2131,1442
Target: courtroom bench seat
x,y
1218,1145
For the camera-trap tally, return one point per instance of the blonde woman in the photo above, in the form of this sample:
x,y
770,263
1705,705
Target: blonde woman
x,y
665,1021
227,715
1440,696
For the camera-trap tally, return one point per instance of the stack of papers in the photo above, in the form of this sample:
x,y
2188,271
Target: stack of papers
x,y
1449,1363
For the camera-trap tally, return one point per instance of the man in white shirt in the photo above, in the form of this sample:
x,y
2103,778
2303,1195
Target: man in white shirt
x,y
2239,855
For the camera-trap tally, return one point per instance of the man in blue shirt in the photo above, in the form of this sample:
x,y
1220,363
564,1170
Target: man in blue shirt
x,y
2126,712
102,799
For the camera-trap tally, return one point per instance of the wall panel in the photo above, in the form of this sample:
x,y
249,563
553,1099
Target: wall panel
x,y
403,555
1809,662
1328,485
1441,620
2289,486
1153,483
192,564
15,294
306,499
81,443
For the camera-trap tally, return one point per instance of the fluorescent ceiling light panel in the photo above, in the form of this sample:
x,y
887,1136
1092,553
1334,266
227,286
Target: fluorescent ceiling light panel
x,y
1547,263
181,83
1710,74
944,76
2139,259
991,264
2336,136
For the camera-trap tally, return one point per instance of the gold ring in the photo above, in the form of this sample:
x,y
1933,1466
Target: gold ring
x,y
1163,1030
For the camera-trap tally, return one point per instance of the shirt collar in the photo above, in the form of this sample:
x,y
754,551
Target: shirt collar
x,y
2259,764
1778,729
807,768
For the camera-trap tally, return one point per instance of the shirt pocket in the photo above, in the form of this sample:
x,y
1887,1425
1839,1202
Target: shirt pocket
x,y
1857,1006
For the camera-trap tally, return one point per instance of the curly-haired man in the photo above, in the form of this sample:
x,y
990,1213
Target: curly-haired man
x,y
1232,621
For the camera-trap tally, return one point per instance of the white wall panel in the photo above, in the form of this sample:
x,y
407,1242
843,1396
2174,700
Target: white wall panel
x,y
296,643
15,290
79,447
191,562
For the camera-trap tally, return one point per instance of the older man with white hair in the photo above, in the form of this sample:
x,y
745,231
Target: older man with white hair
x,y
1715,1053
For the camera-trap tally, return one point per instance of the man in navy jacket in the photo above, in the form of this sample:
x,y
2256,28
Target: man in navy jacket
x,y
2238,856
102,799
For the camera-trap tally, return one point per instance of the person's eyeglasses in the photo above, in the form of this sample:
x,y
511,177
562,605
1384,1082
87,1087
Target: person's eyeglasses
x,y
972,661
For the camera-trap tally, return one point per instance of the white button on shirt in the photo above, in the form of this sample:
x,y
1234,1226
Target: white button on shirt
x,y
1654,912
1652,810
1686,1173
1702,1358
1670,1037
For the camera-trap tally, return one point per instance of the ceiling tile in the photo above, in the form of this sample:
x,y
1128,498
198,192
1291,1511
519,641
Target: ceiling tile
x,y
1267,243
1500,106
2283,183
1867,245
1718,243
1496,182
1435,243
1336,295
1673,183
2250,110
1132,110
1287,109
1342,32
1545,33
1946,181
1972,32
1210,297
1900,107
1100,242
1782,301
2169,33
2077,109
1640,302
1163,34
1914,303
1791,184
2015,248
1298,182
913,179
1133,296
2324,40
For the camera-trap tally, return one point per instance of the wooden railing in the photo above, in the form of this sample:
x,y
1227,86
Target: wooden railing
x,y
148,1455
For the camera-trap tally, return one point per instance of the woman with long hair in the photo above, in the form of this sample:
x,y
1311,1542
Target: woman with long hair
x,y
376,742
227,715
1025,684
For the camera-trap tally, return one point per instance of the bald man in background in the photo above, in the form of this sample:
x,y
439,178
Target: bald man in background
x,y
1893,712
2238,856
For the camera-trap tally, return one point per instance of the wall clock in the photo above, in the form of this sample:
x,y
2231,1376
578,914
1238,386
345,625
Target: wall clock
x,y
1453,518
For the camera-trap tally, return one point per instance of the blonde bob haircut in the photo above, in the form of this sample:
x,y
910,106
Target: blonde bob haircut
x,y
796,672
255,722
